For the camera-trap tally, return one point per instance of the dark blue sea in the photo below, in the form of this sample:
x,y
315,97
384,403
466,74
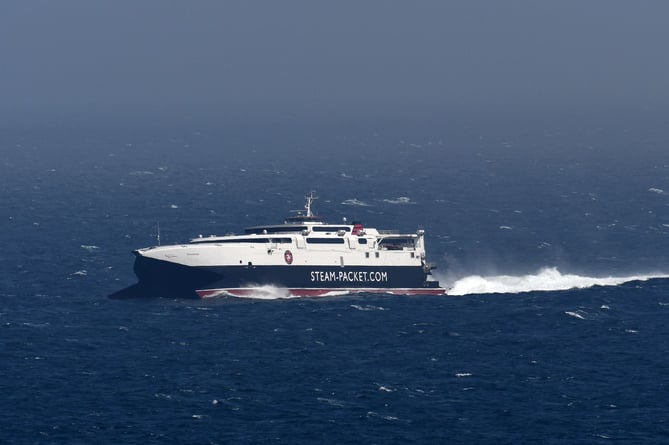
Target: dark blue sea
x,y
553,236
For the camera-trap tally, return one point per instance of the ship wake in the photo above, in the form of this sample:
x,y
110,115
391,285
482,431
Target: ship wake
x,y
547,279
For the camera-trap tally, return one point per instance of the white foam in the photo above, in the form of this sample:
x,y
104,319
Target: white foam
x,y
367,307
399,200
355,202
336,293
656,190
546,279
575,314
267,293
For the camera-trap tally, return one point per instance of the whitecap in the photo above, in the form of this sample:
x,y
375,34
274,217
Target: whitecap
x,y
463,374
399,200
81,272
656,190
367,307
90,248
35,325
386,417
576,314
355,202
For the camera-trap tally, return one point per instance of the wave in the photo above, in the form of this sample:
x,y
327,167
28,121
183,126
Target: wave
x,y
355,202
547,279
400,200
367,307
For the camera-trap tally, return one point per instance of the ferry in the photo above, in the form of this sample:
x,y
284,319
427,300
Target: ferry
x,y
304,256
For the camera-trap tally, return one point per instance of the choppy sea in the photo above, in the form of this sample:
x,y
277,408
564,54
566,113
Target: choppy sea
x,y
553,238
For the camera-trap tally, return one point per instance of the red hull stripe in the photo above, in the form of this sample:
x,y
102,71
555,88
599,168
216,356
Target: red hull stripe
x,y
318,292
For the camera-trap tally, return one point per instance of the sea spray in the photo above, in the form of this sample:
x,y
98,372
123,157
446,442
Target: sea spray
x,y
546,279
266,292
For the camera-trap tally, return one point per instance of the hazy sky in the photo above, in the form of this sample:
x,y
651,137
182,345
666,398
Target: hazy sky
x,y
167,56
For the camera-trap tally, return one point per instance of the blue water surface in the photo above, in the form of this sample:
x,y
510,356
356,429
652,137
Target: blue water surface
x,y
557,366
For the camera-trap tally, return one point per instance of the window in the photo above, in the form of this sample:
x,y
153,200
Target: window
x,y
330,229
325,240
274,229
235,240
397,243
248,241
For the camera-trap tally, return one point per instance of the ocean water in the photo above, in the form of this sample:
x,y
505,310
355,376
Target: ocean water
x,y
553,239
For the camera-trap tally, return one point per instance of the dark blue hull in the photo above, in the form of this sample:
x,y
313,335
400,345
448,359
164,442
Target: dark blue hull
x,y
165,279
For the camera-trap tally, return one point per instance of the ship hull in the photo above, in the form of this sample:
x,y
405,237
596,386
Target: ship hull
x,y
167,279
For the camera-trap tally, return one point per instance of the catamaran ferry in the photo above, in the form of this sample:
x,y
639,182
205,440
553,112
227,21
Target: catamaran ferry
x,y
305,256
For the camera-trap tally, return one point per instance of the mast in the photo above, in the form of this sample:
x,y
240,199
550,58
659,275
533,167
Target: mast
x,y
310,199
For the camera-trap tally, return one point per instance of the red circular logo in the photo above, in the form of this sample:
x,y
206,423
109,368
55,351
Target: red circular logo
x,y
288,256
